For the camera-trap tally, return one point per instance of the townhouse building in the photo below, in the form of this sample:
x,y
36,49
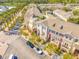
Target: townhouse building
x,y
63,15
64,34
72,6
41,30
50,6
31,16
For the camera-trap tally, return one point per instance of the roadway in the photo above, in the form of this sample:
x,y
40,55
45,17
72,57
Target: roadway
x,y
19,48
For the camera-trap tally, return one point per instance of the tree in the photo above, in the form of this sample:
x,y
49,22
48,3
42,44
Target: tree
x,y
74,20
76,11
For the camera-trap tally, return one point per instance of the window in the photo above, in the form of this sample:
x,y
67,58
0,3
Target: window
x,y
60,34
38,33
66,45
34,16
43,33
70,37
43,27
53,31
56,33
66,36
53,39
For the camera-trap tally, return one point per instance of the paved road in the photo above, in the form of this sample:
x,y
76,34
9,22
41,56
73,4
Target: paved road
x,y
19,48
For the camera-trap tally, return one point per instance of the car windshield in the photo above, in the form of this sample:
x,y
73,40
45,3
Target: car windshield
x,y
29,43
38,49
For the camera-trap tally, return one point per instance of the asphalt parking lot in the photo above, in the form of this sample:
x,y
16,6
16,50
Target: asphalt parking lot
x,y
22,51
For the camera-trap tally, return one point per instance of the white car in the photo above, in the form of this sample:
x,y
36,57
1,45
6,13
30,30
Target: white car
x,y
12,57
37,50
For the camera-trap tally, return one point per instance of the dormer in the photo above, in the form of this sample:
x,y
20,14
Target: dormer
x,y
61,27
54,25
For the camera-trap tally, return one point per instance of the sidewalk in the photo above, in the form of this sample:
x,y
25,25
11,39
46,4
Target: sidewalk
x,y
3,48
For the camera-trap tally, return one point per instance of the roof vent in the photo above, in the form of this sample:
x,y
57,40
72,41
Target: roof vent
x,y
61,27
54,24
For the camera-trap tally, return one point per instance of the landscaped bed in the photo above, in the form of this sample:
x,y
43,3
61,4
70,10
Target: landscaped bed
x,y
36,39
67,56
50,48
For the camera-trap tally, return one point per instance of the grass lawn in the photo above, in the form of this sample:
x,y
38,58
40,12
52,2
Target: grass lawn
x,y
10,4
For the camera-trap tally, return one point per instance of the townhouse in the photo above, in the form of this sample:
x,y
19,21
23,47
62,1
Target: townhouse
x,y
64,34
63,15
31,16
49,6
72,6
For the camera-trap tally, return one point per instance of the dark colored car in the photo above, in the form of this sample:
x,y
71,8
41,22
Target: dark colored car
x,y
15,28
30,44
14,57
13,32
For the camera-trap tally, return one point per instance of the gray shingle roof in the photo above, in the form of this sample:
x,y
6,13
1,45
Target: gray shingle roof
x,y
67,27
32,11
63,13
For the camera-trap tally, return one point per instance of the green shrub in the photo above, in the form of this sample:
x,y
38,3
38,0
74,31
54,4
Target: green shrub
x,y
67,56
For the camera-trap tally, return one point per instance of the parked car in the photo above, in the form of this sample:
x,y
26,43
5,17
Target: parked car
x,y
38,50
55,56
13,32
18,24
15,28
30,44
12,56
